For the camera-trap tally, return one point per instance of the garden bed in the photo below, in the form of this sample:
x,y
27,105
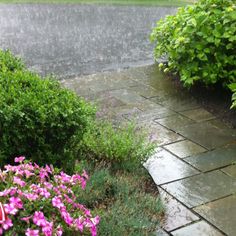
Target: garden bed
x,y
58,130
127,202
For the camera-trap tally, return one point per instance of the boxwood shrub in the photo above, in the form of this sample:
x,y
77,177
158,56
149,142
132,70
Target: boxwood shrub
x,y
39,119
200,42
9,62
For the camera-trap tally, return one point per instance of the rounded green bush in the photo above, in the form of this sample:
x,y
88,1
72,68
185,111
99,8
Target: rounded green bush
x,y
200,42
39,119
9,62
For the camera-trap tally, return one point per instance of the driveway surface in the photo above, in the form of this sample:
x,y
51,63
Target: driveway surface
x,y
70,40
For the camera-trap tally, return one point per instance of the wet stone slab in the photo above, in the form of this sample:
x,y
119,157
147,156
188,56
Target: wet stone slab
x,y
221,213
184,148
165,167
176,214
151,115
159,134
129,97
200,228
203,188
176,102
111,84
109,102
175,121
214,159
230,170
198,115
161,232
207,134
146,91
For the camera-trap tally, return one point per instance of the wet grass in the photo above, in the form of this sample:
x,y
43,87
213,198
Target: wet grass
x,y
111,2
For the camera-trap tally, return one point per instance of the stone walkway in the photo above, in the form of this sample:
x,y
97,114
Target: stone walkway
x,y
194,166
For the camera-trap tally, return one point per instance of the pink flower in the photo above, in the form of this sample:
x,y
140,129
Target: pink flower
x,y
79,224
27,182
32,232
68,199
43,192
28,173
48,228
87,212
26,219
5,193
56,202
13,191
85,175
64,178
7,224
31,196
19,159
10,209
48,169
39,219
2,175
93,231
48,185
59,231
67,217
95,220
18,181
16,202
43,173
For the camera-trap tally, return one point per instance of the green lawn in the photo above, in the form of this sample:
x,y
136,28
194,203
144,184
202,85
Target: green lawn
x,y
118,2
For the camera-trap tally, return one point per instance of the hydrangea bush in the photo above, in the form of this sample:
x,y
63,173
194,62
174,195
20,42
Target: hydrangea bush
x,y
41,201
200,43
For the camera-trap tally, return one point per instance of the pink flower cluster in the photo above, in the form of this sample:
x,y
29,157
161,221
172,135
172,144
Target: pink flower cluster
x,y
42,201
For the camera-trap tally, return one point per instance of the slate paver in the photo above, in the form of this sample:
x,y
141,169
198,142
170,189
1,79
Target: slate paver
x,y
176,214
151,115
109,102
145,91
208,135
176,102
211,160
184,148
165,167
203,188
129,97
111,84
198,114
161,232
221,213
230,170
200,228
150,106
160,134
175,121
